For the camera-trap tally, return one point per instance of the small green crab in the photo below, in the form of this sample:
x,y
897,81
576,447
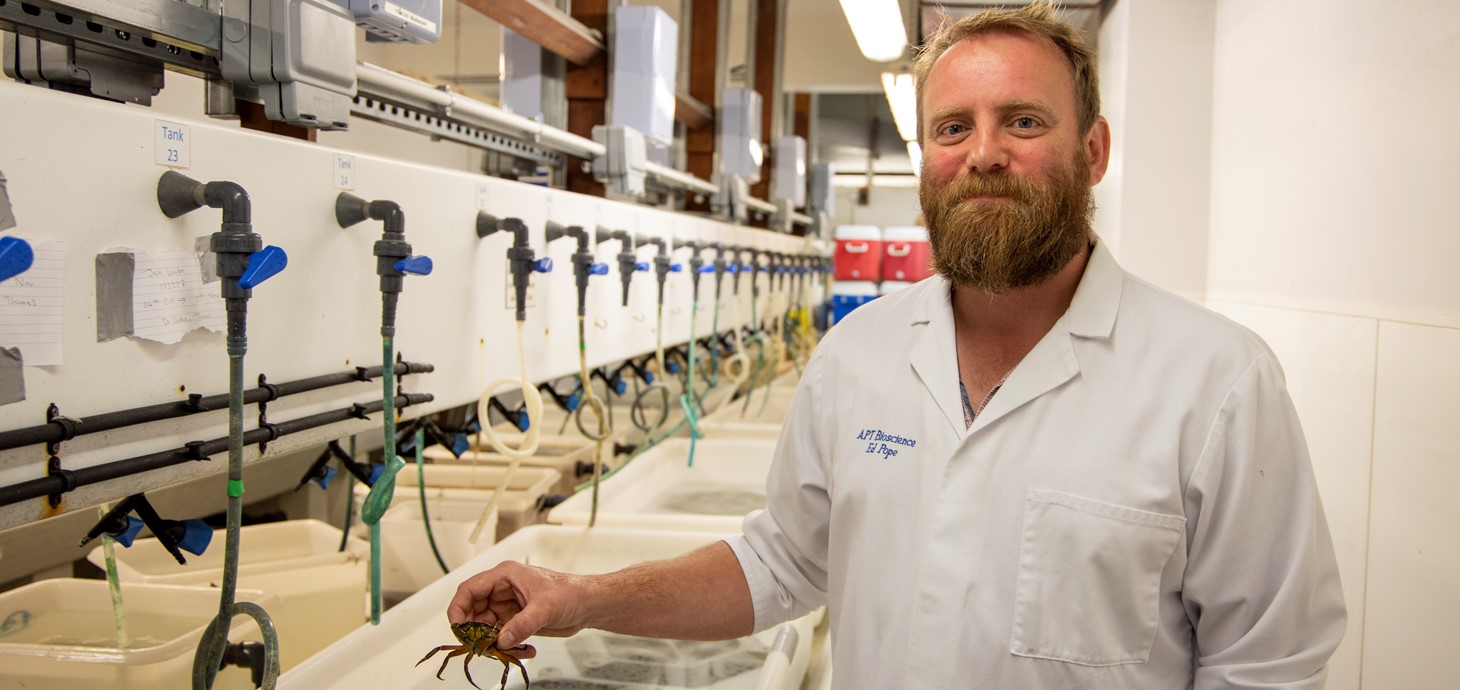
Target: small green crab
x,y
477,639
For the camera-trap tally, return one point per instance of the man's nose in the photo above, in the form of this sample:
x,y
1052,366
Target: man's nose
x,y
987,152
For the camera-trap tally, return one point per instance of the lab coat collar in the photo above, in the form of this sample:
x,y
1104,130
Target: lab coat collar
x,y
1049,365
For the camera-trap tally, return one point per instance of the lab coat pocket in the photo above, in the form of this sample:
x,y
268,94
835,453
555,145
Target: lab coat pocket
x,y
1088,590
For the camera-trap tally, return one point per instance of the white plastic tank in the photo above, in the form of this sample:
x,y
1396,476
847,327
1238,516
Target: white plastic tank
x,y
61,634
385,656
321,589
660,490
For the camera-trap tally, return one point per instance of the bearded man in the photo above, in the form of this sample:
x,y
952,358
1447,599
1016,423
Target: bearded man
x,y
1029,471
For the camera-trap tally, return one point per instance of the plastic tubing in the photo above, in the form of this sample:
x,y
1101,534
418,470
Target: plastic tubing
x,y
215,637
114,584
378,500
421,489
605,426
533,401
686,402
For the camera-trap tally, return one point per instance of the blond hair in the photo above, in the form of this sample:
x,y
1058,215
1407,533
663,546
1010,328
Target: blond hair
x,y
1037,19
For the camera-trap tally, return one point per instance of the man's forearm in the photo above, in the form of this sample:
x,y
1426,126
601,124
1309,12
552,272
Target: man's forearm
x,y
701,595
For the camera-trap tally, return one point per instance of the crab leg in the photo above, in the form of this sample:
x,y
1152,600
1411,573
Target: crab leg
x,y
504,658
466,668
433,652
457,652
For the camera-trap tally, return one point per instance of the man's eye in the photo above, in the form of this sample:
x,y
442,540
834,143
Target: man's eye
x,y
1025,123
954,129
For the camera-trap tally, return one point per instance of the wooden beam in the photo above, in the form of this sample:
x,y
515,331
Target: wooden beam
x,y
767,71
694,114
704,71
547,26
587,90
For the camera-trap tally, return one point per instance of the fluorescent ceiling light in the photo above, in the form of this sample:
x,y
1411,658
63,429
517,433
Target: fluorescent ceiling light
x,y
915,153
903,99
878,26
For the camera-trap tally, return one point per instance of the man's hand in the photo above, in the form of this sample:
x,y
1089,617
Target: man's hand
x,y
523,601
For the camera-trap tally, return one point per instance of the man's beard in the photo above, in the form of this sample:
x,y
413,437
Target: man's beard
x,y
1012,243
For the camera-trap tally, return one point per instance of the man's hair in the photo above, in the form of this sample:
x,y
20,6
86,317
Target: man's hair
x,y
1037,19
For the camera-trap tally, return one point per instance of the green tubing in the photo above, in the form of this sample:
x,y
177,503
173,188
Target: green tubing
x,y
114,585
421,489
689,384
375,605
378,500
349,499
215,639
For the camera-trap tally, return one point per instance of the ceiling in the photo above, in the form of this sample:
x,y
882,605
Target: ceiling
x,y
820,56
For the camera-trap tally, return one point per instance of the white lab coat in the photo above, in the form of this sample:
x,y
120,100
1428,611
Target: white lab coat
x,y
1135,508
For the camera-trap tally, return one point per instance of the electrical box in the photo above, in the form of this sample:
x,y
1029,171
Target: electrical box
x,y
522,77
790,177
645,50
401,21
741,151
820,195
622,167
301,53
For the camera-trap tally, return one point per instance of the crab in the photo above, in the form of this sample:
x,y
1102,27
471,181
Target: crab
x,y
477,639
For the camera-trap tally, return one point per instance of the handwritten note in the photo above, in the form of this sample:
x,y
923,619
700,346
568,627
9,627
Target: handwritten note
x,y
30,307
169,297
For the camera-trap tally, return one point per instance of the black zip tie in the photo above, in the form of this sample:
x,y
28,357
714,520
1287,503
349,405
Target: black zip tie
x,y
358,412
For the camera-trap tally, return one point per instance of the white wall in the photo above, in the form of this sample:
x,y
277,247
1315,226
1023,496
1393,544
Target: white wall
x,y
1332,131
1156,73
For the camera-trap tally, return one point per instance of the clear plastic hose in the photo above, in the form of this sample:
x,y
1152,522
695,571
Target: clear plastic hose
x,y
605,425
114,584
533,400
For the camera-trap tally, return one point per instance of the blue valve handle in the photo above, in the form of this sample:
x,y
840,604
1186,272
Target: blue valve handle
x,y
415,265
263,265
16,256
376,470
618,385
573,401
675,268
329,476
542,265
196,537
707,268
523,422
673,367
641,266
732,268
598,270
460,444
134,526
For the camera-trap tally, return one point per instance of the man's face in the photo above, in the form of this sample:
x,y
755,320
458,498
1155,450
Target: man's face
x,y
1006,174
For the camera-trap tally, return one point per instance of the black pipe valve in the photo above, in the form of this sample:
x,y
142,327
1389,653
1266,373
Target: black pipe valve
x,y
243,260
393,259
176,536
583,263
522,261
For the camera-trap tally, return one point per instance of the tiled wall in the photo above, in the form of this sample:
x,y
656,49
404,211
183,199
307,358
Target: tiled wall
x,y
1382,418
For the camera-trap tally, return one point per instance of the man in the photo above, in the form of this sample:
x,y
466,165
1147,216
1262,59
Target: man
x,y
1032,471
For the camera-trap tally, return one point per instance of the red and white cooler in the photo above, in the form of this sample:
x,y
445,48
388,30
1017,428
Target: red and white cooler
x,y
858,252
890,286
906,255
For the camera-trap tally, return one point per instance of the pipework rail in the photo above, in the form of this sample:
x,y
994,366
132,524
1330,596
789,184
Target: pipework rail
x,y
60,428
69,480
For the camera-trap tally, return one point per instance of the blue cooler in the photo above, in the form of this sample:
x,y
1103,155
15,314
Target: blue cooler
x,y
847,295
